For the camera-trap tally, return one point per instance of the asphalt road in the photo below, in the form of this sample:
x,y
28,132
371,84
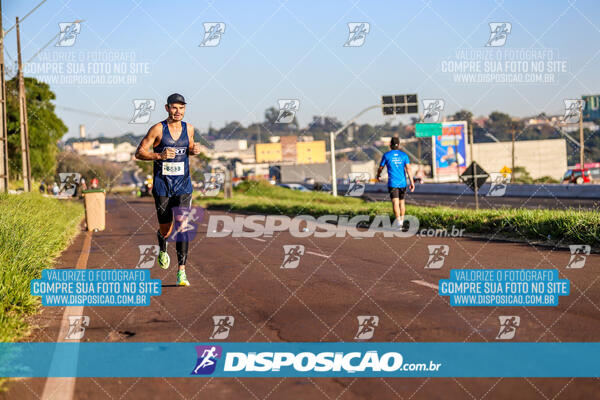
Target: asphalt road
x,y
468,201
337,280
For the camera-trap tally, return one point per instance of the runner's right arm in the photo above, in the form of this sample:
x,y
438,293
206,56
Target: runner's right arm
x,y
151,138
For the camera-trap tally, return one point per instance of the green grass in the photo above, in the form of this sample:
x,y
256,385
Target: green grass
x,y
554,226
33,231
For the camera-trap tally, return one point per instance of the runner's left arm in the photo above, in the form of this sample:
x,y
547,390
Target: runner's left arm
x,y
194,148
410,178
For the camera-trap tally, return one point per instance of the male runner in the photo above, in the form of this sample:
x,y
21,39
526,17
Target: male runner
x,y
172,141
397,162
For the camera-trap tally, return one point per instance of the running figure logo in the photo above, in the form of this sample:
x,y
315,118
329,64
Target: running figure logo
x,y
499,182
287,110
68,33
213,31
366,326
77,325
69,182
358,33
207,359
358,181
579,253
213,182
223,324
148,254
433,109
185,225
437,255
498,34
291,255
508,327
142,108
573,109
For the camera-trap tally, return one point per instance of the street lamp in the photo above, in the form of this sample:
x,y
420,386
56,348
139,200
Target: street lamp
x,y
390,105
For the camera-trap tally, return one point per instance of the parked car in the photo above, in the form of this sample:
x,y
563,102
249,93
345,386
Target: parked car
x,y
294,186
578,176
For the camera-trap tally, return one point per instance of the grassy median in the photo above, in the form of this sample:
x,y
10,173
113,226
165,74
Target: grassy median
x,y
33,231
561,227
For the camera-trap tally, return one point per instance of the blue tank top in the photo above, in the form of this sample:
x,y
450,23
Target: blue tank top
x,y
172,177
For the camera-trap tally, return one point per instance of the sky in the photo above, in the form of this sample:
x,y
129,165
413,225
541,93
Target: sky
x,y
273,50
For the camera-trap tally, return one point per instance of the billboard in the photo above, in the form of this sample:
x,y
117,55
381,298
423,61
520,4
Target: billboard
x,y
288,148
268,152
591,110
310,152
450,151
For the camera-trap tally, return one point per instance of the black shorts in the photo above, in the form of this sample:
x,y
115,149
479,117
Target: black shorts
x,y
397,193
164,206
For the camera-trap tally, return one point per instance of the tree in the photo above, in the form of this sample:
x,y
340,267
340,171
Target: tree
x,y
462,115
45,128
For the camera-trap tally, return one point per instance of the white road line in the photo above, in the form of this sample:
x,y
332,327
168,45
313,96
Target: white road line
x,y
317,254
429,285
259,239
64,388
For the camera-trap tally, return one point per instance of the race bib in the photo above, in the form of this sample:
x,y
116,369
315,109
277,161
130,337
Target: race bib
x,y
172,168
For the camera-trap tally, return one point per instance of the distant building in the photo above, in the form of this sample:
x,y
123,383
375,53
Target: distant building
x,y
230,145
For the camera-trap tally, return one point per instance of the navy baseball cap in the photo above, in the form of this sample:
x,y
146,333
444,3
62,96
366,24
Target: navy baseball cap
x,y
175,98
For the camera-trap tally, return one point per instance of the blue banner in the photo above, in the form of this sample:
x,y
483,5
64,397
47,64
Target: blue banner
x,y
299,359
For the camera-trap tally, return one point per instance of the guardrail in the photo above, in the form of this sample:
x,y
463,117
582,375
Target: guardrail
x,y
570,191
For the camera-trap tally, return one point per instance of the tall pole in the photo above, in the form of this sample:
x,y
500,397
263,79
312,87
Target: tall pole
x,y
512,130
3,132
23,118
474,166
581,144
333,174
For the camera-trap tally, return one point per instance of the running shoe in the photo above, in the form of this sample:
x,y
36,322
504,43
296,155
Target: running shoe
x,y
164,260
182,279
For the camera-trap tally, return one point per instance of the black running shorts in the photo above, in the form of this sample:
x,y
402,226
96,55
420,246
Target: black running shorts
x,y
397,193
164,206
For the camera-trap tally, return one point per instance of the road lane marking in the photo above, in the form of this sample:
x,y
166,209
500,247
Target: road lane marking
x,y
64,388
259,239
429,285
317,254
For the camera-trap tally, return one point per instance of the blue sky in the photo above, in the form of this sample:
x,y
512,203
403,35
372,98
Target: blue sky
x,y
294,50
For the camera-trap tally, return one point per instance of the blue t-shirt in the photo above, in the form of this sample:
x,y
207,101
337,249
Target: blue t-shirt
x,y
395,160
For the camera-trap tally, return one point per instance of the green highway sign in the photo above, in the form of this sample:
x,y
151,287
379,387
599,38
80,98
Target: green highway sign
x,y
428,130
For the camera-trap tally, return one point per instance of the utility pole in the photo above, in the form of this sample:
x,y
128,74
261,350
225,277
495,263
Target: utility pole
x,y
26,165
581,144
512,130
474,166
3,131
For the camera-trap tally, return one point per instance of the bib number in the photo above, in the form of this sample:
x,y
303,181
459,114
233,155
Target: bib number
x,y
172,168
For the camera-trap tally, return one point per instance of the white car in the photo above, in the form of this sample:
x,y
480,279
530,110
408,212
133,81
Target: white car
x,y
294,186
